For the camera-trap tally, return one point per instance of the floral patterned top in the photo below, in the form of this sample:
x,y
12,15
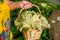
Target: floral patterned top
x,y
4,19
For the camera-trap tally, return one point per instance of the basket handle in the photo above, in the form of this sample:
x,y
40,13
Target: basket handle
x,y
23,9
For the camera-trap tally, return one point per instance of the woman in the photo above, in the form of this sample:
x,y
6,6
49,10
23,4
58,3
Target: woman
x,y
5,7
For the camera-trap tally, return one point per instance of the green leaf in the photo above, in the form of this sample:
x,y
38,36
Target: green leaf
x,y
25,29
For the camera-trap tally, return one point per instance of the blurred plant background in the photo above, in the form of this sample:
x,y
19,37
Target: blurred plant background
x,y
46,11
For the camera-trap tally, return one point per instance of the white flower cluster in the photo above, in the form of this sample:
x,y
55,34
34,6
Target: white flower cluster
x,y
45,5
33,20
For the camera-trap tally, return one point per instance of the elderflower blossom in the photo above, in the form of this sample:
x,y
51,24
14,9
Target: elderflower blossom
x,y
32,20
44,4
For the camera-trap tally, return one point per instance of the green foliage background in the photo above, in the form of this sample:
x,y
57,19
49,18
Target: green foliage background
x,y
45,12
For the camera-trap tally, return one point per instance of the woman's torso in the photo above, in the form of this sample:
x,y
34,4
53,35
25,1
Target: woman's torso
x,y
4,18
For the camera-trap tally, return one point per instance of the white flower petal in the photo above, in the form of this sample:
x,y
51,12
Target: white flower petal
x,y
44,4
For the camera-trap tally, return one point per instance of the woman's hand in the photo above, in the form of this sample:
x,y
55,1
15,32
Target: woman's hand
x,y
25,5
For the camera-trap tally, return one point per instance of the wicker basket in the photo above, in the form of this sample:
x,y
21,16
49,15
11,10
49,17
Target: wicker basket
x,y
31,34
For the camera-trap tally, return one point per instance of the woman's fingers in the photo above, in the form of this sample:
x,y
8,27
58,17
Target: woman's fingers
x,y
25,4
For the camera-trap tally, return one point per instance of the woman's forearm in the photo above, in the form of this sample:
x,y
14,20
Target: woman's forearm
x,y
22,4
13,5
